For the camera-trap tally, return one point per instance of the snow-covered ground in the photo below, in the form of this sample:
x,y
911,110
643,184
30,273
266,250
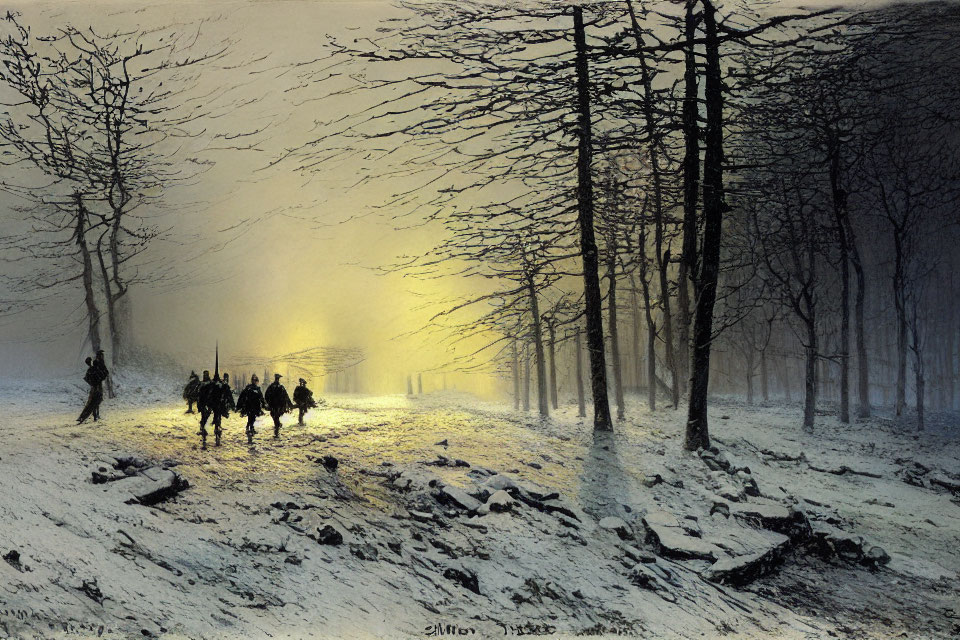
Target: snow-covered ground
x,y
241,553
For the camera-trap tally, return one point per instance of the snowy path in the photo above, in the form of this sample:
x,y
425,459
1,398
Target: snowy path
x,y
236,554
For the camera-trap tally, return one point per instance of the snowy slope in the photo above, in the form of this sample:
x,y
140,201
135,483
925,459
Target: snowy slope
x,y
239,553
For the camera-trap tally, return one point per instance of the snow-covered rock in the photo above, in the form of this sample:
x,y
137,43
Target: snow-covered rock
x,y
775,517
671,540
740,570
829,541
449,495
618,526
499,502
499,482
149,487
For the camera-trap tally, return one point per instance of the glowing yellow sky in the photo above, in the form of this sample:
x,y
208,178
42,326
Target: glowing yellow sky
x,y
289,282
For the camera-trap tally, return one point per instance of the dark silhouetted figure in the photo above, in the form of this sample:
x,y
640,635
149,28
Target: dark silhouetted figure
x,y
100,363
303,399
279,402
228,393
221,403
191,392
251,404
95,396
204,402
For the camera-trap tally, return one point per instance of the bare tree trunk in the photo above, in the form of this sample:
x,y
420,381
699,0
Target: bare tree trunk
x,y
951,377
810,378
863,363
89,297
614,334
764,385
786,382
111,312
108,291
526,377
662,256
697,431
515,368
637,357
540,360
588,244
651,338
844,350
553,365
918,364
581,401
920,382
691,187
669,346
899,301
839,210
824,377
409,384
419,384
116,295
749,359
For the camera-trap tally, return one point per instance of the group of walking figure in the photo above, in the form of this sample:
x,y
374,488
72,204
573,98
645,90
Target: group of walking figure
x,y
214,400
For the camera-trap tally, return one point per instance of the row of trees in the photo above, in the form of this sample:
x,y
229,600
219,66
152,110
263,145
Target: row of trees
x,y
850,196
737,172
566,147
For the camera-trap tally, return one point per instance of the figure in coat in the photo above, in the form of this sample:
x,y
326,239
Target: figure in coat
x,y
278,400
251,404
303,399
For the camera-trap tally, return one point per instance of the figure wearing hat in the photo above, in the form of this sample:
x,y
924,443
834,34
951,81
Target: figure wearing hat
x,y
219,400
228,400
303,399
205,402
251,404
191,392
95,395
279,402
